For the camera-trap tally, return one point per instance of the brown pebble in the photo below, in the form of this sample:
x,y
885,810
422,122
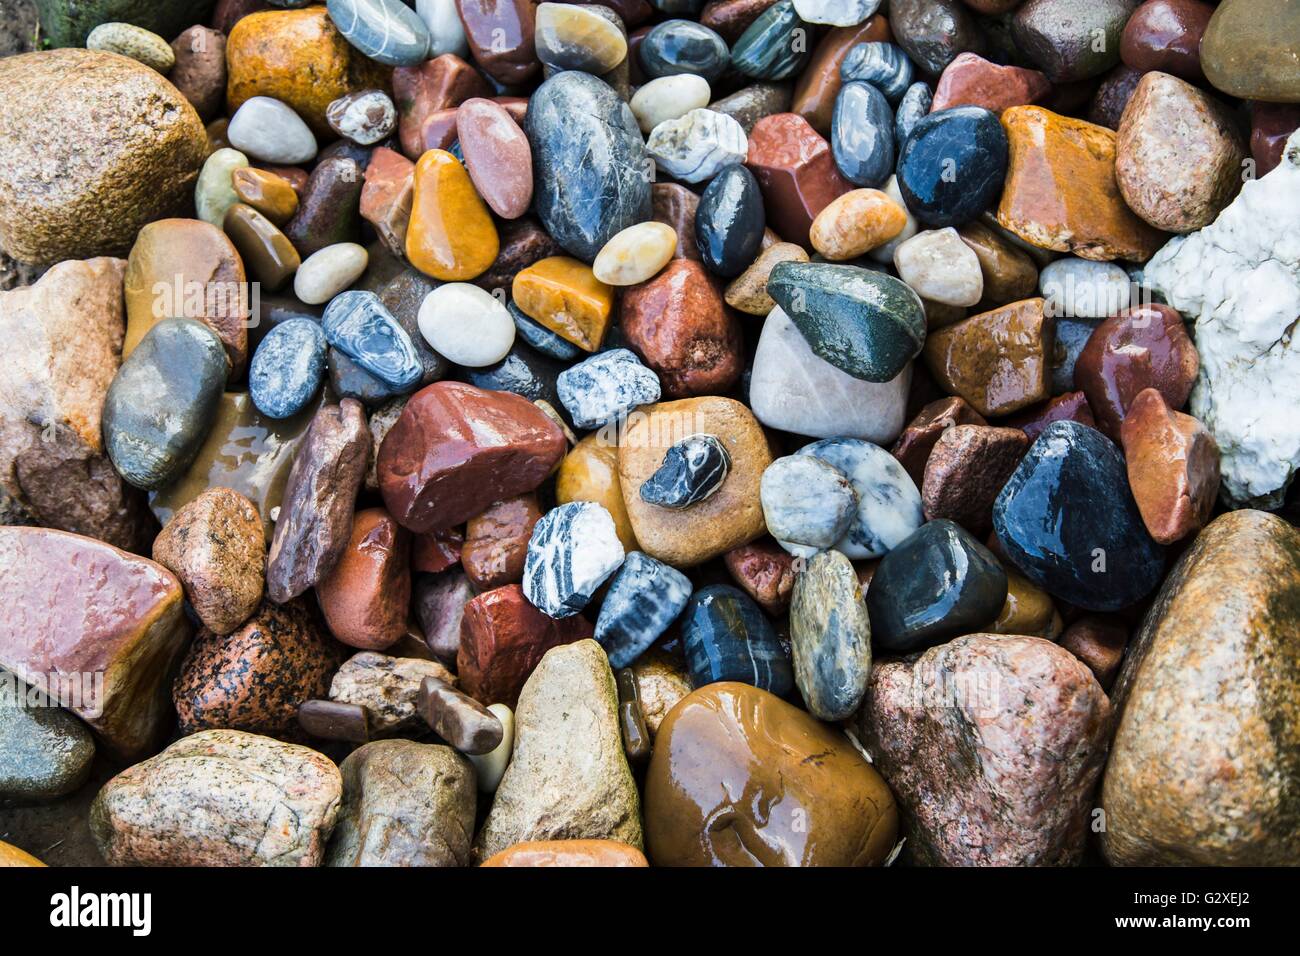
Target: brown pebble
x,y
268,193
458,718
913,447
631,721
1098,641
335,720
966,471
496,542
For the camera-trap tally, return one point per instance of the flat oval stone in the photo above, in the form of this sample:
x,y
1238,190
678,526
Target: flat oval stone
x,y
126,39
862,134
643,599
1084,289
386,31
1067,520
917,441
727,638
45,752
693,469
365,117
888,502
914,105
749,105
696,146
775,47
451,236
287,368
668,98
856,223
574,548
162,401
497,155
882,65
327,272
940,268
636,254
937,584
267,252
606,387
867,324
683,47
466,324
808,504
951,167
572,37
830,637
268,130
729,221
359,326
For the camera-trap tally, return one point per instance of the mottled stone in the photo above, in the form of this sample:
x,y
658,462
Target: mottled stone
x,y
940,268
830,637
497,156
917,441
568,853
856,223
808,504
200,70
573,549
387,687
1113,94
643,599
45,752
288,368
696,146
1071,40
1173,467
748,291
971,80
606,387
966,469
933,32
1247,50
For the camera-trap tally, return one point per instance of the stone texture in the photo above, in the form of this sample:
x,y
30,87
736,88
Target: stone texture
x,y
1173,467
366,596
200,70
1247,51
830,637
966,469
45,752
662,681
496,542
387,687
1165,35
590,473
451,236
971,80
748,291
796,171
917,441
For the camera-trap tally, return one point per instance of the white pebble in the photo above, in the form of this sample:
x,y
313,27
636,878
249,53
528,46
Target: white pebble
x,y
940,267
491,766
327,272
669,98
466,325
1083,289
635,254
271,131
835,13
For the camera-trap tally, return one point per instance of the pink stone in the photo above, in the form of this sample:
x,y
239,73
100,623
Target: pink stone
x,y
971,80
497,156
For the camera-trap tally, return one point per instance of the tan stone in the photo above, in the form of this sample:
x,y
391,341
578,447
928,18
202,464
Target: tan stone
x,y
748,291
661,681
589,472
855,223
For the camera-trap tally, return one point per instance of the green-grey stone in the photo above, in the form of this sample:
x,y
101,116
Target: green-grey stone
x,y
45,752
865,323
68,22
830,636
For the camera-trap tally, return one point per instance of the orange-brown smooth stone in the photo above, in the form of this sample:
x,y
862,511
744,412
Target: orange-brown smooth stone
x,y
269,194
386,197
10,855
496,542
564,295
796,172
568,853
451,236
589,472
1009,273
268,255
856,223
366,597
918,439
819,84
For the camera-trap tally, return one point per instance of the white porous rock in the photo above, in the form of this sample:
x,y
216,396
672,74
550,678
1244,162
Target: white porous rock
x,y
694,147
1077,288
669,98
836,13
466,324
885,253
793,390
327,272
271,131
940,267
1238,281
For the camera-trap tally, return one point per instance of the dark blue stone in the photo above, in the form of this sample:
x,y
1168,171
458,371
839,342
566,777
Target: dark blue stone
x,y
1071,336
938,583
884,65
683,46
387,31
590,170
524,371
776,45
692,469
678,6
951,167
358,325
644,598
1068,521
729,221
911,108
540,337
727,637
862,134
287,368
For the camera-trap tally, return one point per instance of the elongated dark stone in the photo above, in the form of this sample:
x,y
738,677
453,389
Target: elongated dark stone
x,y
335,720
728,638
729,221
775,46
862,134
458,718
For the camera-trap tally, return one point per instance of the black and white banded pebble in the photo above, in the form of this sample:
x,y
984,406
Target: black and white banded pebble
x,y
692,470
574,548
644,598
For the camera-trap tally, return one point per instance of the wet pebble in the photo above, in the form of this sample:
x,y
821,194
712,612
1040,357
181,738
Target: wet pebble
x,y
466,325
643,599
359,326
693,469
574,548
269,130
287,368
606,387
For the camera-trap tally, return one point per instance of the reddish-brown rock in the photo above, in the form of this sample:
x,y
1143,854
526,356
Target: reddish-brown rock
x,y
1072,406
1099,641
913,447
765,571
971,80
255,679
366,597
1271,124
568,853
1165,35
1173,467
497,156
502,638
819,83
200,70
522,243
675,205
97,628
500,35
496,542
1144,347
441,83
456,449
966,470
679,325
436,551
1113,94
798,176
730,18
386,197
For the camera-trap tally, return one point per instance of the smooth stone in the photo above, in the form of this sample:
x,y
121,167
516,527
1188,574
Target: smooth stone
x,y
1028,611
45,752
1099,640
1094,553
1072,336
12,856
1173,467
917,441
971,80
1247,50
575,119
1165,35
327,272
1000,777
862,134
1072,406
540,337
693,469
934,32
220,798
496,542
674,206
1084,289
451,236
884,254
830,637
940,267
867,324
966,469
1113,94
466,324
808,504
1270,126
912,108
386,31
794,791
643,600
951,167
491,767
818,86
835,13
365,597
271,195
794,390
459,719
748,291
752,103
359,326
572,37
729,221
439,604
634,255
569,854
500,34
446,34
669,98
882,65
268,130
699,144
1008,272
126,39
568,776
268,255
730,18
1204,695
935,585
564,295
365,117
589,472
214,192
888,507
387,687
288,368
497,156
573,549
683,47
606,387
1071,40
661,682
727,638
427,96
775,47
524,372
796,169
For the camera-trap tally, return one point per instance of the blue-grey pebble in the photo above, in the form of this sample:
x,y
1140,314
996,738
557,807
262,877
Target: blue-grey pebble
x,y
524,371
775,46
729,221
606,387
727,637
808,504
386,31
862,134
643,599
692,470
359,326
884,65
287,368
540,337
914,105
683,46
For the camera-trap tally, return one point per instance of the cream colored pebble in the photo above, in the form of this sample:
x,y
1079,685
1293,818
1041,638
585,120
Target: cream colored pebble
x,y
669,98
327,272
635,254
491,766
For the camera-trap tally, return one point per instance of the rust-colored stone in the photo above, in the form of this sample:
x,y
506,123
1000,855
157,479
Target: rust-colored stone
x,y
496,542
366,597
795,169
765,571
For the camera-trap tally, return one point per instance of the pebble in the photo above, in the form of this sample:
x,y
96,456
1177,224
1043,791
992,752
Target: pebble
x,y
971,80
45,752
574,548
540,337
940,267
269,194
836,13
1113,94
451,236
966,470
365,117
764,571
952,164
796,170
267,252
729,221
917,441
359,326
750,104
693,469
496,542
426,94
912,108
497,156
999,361
200,70
808,504
668,98
572,37
683,48
830,637
139,44
366,596
1008,272
268,130
933,32
589,472
888,503
446,35
466,325
459,719
1094,553
775,47
727,638
439,604
817,87
565,296
634,255
862,134
1099,641
387,687
748,291
1071,40
334,720
1084,289
696,146
643,600
328,271
490,767
386,31
214,192
1028,611
1246,50
606,387
882,65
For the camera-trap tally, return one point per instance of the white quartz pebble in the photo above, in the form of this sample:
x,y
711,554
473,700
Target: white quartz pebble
x,y
491,766
940,267
669,98
1083,289
466,325
836,13
694,147
271,131
635,254
327,272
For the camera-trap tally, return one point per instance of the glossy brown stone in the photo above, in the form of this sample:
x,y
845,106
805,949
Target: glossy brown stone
x,y
497,156
914,445
75,606
568,853
1072,406
500,35
971,80
315,520
438,129
366,596
966,471
681,328
631,719
1271,124
1009,274
502,638
200,69
255,679
730,18
328,213
1165,35
1099,641
267,253
436,551
522,243
675,206
496,542
1145,347
389,184
765,571
999,361
795,169
458,718
1028,610
441,83
819,83
749,104
1173,467
335,720
269,194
